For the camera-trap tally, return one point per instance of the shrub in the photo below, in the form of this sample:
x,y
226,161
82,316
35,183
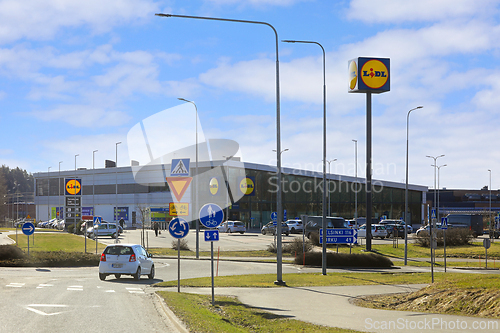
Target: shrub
x,y
454,237
296,246
366,260
314,238
71,228
9,252
183,245
272,248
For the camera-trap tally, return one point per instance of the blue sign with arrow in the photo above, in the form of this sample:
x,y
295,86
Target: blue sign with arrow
x,y
178,228
339,236
211,235
211,215
28,228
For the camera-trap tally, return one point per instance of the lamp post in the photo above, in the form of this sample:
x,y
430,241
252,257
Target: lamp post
x,y
432,225
438,209
279,264
490,231
406,187
329,206
59,190
116,191
75,208
324,147
48,194
195,208
356,176
93,193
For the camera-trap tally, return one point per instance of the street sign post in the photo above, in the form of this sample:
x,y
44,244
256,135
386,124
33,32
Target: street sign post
x,y
486,244
28,229
211,216
339,236
178,228
444,227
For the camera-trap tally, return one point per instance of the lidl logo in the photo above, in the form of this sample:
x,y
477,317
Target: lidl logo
x,y
374,74
73,186
369,75
247,185
214,186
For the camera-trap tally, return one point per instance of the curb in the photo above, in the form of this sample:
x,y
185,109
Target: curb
x,y
177,323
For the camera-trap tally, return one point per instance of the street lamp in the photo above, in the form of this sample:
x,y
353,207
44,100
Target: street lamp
x,y
279,280
48,194
116,190
329,207
490,231
356,176
75,207
438,209
406,188
195,209
279,218
59,190
324,147
431,225
93,193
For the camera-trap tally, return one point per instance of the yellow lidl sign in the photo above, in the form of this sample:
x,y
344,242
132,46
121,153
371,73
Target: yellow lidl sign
x,y
247,185
214,186
73,186
369,75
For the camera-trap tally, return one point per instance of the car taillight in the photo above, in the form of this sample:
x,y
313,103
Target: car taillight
x,y
103,257
132,258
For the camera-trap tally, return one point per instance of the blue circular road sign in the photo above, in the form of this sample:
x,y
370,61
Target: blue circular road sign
x,y
178,228
28,228
211,215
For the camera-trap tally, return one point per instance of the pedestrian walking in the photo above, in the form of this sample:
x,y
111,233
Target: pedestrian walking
x,y
155,226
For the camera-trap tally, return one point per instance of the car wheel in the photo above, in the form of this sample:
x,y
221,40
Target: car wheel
x,y
229,231
263,232
151,274
102,276
118,276
137,275
287,233
293,230
242,232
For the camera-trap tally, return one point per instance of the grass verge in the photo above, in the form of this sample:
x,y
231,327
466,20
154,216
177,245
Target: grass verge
x,y
57,242
229,315
464,295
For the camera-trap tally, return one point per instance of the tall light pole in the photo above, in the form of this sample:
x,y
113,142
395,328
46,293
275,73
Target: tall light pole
x,y
438,209
406,187
324,147
195,207
48,193
116,190
93,181
279,264
432,224
329,206
490,231
356,176
75,207
59,190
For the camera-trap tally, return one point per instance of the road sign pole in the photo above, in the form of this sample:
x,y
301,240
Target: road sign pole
x,y
212,268
444,240
28,245
178,265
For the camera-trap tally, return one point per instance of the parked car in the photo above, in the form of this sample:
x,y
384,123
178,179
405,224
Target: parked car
x,y
126,259
398,222
295,226
378,230
105,229
314,223
270,228
395,230
232,226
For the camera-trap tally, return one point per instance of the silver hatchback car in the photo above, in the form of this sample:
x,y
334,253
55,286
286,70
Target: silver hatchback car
x,y
126,259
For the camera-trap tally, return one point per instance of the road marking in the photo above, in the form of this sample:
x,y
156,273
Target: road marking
x,y
77,288
31,308
135,290
110,291
15,285
42,285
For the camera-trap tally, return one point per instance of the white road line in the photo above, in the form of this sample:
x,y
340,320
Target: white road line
x,y
110,291
77,288
135,290
42,285
15,285
30,307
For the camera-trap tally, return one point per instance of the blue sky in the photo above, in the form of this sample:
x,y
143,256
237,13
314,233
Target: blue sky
x,y
76,76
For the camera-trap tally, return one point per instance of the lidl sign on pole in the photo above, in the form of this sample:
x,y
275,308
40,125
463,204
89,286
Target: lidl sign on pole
x,y
339,236
369,75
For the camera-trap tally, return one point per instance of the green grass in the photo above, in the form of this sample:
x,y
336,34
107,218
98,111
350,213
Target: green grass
x,y
229,315
57,242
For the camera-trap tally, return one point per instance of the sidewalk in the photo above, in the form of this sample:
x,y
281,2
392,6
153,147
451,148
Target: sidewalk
x,y
331,306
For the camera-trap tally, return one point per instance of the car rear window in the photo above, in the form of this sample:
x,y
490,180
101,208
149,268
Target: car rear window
x,y
239,224
118,250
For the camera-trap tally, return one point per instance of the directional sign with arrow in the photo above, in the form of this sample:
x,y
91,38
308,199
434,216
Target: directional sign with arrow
x,y
178,228
28,228
211,235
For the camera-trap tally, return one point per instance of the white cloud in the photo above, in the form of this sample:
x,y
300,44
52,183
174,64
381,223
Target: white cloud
x,y
42,20
255,2
396,11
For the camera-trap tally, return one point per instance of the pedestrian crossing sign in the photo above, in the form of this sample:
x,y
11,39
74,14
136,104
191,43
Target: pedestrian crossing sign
x,y
179,167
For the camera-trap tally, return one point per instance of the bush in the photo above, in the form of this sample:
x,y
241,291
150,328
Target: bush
x,y
183,245
454,237
296,246
9,252
366,260
71,228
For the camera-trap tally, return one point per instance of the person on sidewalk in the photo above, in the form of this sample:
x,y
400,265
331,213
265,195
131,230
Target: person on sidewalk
x,y
155,226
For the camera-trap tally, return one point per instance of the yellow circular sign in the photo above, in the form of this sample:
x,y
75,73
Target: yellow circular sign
x,y
73,187
353,75
374,74
214,186
247,186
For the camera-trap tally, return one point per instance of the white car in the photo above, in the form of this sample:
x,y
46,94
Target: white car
x,y
126,259
232,226
104,229
295,226
378,230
